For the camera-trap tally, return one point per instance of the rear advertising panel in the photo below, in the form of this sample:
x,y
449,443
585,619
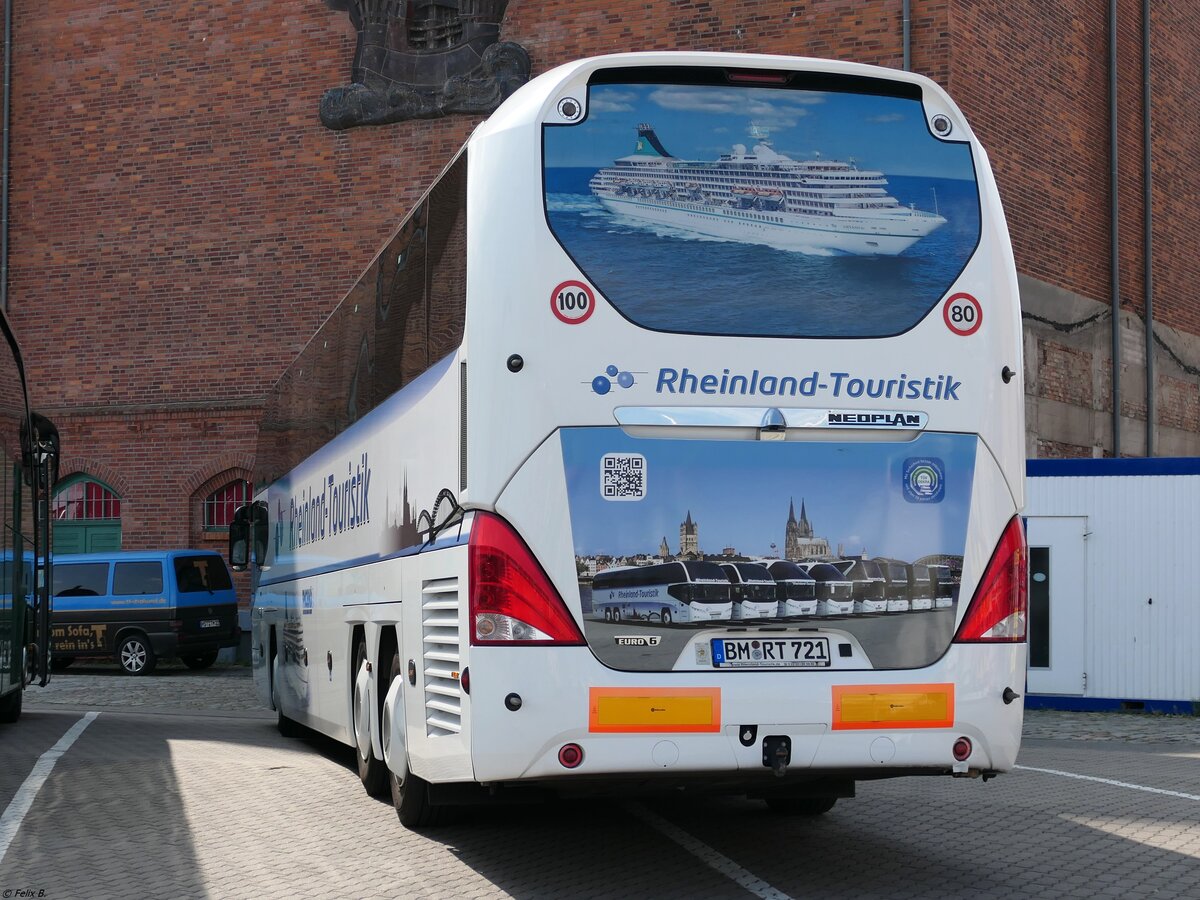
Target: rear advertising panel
x,y
716,209
700,554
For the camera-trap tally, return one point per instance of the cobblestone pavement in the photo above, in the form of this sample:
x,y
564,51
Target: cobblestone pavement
x,y
171,688
182,787
230,688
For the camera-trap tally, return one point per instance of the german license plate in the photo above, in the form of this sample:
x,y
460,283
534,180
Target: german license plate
x,y
210,623
781,652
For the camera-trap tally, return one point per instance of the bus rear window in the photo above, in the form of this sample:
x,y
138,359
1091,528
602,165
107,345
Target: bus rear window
x,y
755,211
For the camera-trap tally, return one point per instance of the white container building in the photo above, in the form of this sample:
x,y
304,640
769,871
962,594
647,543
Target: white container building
x,y
1114,584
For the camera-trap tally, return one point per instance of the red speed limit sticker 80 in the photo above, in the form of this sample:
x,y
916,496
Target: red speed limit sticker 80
x,y
572,302
963,314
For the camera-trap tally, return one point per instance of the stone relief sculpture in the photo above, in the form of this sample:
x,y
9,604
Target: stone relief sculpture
x,y
422,59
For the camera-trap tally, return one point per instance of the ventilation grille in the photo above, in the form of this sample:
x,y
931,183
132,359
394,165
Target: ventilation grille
x,y
440,656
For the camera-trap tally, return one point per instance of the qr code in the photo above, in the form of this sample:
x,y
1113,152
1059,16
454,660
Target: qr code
x,y
623,476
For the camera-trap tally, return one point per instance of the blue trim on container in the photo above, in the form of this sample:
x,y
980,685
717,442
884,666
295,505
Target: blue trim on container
x,y
370,559
1100,704
1051,468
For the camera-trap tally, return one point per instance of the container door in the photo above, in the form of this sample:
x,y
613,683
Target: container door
x,y
1057,610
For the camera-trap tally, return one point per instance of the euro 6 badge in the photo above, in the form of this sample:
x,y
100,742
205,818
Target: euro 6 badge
x,y
924,479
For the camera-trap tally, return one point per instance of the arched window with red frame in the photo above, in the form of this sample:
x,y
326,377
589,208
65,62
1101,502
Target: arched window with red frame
x,y
220,505
84,498
87,516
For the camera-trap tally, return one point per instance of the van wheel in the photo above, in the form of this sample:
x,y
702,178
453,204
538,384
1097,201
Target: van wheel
x,y
801,806
136,656
200,662
371,771
410,793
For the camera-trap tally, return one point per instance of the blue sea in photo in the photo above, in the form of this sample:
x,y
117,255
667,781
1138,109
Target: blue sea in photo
x,y
671,279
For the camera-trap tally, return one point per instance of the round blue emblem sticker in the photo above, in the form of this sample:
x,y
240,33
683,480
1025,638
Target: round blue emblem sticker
x,y
924,479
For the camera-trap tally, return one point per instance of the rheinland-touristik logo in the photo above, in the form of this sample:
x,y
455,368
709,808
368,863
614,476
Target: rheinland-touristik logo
x,y
335,504
815,384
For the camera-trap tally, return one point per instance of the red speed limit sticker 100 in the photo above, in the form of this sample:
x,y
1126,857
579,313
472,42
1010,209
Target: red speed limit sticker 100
x,y
572,302
963,314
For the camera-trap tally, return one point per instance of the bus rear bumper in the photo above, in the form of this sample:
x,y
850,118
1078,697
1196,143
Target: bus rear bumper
x,y
846,723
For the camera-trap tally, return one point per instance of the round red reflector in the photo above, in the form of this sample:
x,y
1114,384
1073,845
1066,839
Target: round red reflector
x,y
570,755
962,748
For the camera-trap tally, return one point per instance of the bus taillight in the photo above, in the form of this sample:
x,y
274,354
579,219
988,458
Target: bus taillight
x,y
997,611
512,599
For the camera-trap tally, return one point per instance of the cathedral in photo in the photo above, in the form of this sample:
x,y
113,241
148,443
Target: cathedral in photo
x,y
799,542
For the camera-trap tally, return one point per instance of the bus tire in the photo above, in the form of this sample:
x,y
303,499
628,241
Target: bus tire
x,y
800,806
410,793
198,662
371,771
616,615
135,656
665,616
10,706
288,728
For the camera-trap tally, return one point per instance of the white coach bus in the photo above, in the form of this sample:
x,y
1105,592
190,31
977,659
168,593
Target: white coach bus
x,y
657,291
665,593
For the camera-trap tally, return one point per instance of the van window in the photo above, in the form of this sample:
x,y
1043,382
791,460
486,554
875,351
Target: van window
x,y
81,579
201,573
138,578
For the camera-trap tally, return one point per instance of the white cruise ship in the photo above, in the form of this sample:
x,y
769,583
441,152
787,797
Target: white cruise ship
x,y
763,197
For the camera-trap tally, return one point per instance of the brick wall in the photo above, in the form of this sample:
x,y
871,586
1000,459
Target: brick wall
x,y
1033,78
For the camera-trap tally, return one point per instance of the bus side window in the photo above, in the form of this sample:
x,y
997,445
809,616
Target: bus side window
x,y
447,262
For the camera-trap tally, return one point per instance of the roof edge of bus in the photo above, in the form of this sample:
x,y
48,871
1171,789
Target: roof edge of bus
x,y
530,101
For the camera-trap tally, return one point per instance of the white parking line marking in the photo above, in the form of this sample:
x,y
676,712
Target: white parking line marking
x,y
1124,784
19,806
708,855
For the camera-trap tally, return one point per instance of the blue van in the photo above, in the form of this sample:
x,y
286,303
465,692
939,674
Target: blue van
x,y
137,606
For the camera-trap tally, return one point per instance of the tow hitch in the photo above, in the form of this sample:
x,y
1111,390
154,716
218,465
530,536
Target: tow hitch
x,y
777,753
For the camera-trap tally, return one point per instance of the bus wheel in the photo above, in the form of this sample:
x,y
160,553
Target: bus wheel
x,y
288,728
136,656
616,615
800,806
410,793
665,616
371,771
199,662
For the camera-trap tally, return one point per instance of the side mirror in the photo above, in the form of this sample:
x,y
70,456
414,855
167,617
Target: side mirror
x,y
40,448
248,533
239,539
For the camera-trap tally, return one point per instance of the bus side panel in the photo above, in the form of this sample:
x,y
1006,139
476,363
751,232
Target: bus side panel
x,y
362,500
